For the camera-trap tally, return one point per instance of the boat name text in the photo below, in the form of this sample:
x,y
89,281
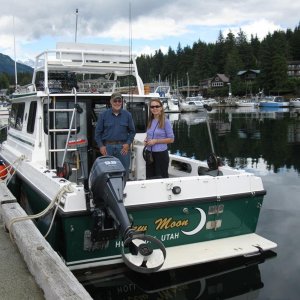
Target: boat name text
x,y
168,223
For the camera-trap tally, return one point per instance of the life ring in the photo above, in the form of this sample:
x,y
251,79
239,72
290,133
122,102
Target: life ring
x,y
65,171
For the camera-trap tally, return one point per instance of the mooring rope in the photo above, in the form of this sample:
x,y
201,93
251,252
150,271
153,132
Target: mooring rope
x,y
56,200
9,173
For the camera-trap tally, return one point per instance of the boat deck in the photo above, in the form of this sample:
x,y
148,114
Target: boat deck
x,y
216,250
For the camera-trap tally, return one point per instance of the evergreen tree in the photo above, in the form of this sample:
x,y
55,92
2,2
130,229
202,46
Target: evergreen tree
x,y
255,47
233,63
245,51
202,63
219,54
229,55
4,82
294,43
158,64
279,72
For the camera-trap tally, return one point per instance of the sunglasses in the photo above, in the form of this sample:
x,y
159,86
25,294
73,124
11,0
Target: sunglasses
x,y
117,101
155,106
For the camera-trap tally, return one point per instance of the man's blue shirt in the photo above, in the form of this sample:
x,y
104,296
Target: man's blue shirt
x,y
111,127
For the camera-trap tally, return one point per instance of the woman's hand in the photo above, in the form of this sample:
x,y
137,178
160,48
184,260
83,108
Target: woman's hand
x,y
151,142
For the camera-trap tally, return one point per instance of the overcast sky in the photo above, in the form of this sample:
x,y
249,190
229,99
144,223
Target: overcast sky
x,y
155,24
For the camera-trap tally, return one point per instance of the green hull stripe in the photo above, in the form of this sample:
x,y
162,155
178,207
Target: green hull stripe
x,y
98,259
23,95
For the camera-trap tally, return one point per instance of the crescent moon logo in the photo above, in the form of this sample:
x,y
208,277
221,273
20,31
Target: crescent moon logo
x,y
200,225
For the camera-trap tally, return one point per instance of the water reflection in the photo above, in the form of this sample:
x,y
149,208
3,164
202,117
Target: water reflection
x,y
271,136
207,281
263,142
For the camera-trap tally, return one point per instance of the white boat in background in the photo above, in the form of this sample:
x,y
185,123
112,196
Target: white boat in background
x,y
4,109
274,101
170,103
246,103
210,102
191,104
295,102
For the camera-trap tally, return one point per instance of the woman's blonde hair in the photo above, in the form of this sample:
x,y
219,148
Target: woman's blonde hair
x,y
161,120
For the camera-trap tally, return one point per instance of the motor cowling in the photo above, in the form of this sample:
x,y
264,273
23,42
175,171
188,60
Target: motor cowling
x,y
140,252
107,182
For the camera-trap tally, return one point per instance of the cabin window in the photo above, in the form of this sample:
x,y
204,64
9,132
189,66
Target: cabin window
x,y
181,166
139,112
31,117
16,115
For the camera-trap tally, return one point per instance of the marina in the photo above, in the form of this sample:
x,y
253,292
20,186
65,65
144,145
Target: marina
x,y
137,171
254,151
55,171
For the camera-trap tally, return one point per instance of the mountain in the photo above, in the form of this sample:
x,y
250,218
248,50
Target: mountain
x,y
7,65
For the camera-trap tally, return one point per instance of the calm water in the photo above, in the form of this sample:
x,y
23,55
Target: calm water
x,y
266,143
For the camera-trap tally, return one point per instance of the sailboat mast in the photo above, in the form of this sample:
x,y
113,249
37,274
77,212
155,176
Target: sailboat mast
x,y
16,73
76,25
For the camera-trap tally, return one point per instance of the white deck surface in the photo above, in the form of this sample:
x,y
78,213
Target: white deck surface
x,y
197,253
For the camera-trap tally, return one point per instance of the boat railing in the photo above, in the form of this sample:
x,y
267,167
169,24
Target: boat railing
x,y
88,59
29,88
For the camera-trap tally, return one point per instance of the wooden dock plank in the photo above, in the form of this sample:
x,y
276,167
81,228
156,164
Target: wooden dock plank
x,y
5,194
50,273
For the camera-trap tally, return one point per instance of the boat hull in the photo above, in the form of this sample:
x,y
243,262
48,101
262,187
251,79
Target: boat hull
x,y
246,104
191,227
295,103
274,104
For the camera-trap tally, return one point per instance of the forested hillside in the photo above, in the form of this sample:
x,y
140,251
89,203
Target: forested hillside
x,y
7,65
7,72
228,55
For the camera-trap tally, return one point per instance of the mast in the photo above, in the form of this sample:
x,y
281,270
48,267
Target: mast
x,y
130,91
16,73
76,25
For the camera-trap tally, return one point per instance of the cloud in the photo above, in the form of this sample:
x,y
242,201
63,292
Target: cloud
x,y
145,28
154,23
259,28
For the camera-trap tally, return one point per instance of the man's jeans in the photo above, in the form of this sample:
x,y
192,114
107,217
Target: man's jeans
x,y
115,150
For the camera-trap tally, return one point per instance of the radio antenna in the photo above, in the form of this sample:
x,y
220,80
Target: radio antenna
x,y
16,73
130,52
76,25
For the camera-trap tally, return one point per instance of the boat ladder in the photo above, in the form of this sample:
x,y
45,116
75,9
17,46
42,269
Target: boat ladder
x,y
62,168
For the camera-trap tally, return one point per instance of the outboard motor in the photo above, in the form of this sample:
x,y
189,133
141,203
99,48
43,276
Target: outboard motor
x,y
107,182
142,253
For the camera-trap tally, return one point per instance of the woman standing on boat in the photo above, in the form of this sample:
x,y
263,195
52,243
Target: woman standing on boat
x,y
159,135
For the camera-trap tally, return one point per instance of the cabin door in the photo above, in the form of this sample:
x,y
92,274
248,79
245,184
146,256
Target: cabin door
x,y
67,138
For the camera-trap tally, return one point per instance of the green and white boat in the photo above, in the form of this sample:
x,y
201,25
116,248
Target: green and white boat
x,y
203,212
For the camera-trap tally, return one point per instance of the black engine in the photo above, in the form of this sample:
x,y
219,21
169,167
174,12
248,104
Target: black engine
x,y
141,252
107,182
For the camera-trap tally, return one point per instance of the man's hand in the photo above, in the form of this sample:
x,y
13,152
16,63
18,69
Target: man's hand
x,y
103,150
125,149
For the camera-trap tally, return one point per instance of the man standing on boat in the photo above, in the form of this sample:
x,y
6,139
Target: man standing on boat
x,y
115,131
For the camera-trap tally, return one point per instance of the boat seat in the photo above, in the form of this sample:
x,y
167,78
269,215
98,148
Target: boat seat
x,y
210,172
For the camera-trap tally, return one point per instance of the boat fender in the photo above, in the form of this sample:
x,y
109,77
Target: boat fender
x,y
207,107
213,161
65,171
3,170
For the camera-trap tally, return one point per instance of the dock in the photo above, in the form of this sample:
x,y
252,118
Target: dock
x,y
30,268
